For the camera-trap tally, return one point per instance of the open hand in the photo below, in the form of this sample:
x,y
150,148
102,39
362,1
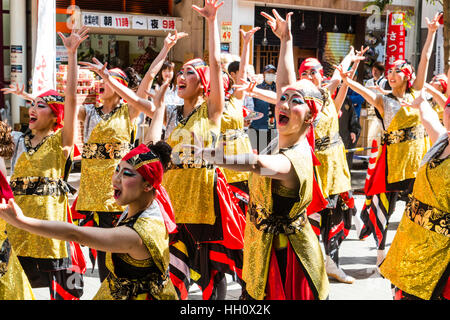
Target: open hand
x,y
171,39
209,11
344,75
14,89
434,24
76,37
248,35
280,27
10,211
158,96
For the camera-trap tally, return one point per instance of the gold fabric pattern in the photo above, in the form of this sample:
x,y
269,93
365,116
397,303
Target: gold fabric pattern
x,y
258,244
96,191
237,140
48,161
196,184
404,156
105,150
420,251
333,174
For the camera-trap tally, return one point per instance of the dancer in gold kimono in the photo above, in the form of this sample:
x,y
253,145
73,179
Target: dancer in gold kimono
x,y
14,284
40,167
282,255
418,261
404,142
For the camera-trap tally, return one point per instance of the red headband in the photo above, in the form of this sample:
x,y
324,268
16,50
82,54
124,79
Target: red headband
x,y
310,64
407,70
202,70
56,102
148,165
442,79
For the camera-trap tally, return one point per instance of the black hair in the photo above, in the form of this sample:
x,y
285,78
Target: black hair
x,y
134,79
163,151
233,67
166,65
379,66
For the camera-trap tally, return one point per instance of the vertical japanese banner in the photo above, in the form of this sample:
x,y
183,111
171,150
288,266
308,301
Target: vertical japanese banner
x,y
439,67
395,39
44,73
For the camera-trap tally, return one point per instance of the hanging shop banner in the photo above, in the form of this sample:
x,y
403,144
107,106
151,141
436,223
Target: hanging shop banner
x,y
121,21
439,67
395,39
44,73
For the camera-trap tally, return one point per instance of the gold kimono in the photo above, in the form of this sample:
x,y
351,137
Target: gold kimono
x,y
40,191
14,284
333,174
190,181
407,143
420,251
108,143
132,279
237,140
262,230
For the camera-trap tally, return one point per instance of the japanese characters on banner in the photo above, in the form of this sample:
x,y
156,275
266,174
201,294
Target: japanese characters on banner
x,y
121,21
395,39
44,76
225,32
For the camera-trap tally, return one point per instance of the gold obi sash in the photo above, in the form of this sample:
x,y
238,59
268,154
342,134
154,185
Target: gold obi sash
x,y
39,189
108,143
333,174
150,226
420,251
407,143
263,228
191,185
237,140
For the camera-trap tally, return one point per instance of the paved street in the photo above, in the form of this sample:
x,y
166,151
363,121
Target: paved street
x,y
357,258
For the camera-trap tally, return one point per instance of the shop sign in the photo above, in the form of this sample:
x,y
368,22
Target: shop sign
x,y
117,21
395,39
225,32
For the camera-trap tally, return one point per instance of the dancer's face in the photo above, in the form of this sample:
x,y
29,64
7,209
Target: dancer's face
x,y
106,92
41,115
129,186
189,84
312,75
291,113
396,77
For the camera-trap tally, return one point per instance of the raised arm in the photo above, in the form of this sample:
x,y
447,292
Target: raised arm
x,y
439,97
427,50
254,92
70,94
242,73
373,98
428,117
345,64
18,91
282,29
154,132
137,103
118,240
216,98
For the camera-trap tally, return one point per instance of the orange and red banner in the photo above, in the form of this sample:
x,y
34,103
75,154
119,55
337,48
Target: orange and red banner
x,y
395,39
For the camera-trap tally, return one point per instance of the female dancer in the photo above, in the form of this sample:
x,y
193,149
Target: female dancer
x,y
404,142
282,255
437,88
418,261
14,284
108,137
137,246
40,168
333,175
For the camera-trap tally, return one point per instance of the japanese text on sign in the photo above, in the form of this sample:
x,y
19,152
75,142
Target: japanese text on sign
x,y
395,39
102,20
225,32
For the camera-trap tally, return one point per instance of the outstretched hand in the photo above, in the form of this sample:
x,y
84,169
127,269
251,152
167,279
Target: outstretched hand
x,y
344,75
280,27
10,211
97,67
76,37
158,96
245,86
209,11
359,55
171,39
418,101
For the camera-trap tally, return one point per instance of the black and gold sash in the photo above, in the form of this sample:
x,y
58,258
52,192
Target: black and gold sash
x,y
105,150
402,135
40,186
326,142
428,217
